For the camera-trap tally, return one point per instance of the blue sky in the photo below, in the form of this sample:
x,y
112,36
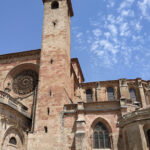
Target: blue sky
x,y
111,40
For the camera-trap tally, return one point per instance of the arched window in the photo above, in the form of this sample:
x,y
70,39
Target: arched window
x,y
89,95
101,136
110,93
132,94
148,137
13,141
55,5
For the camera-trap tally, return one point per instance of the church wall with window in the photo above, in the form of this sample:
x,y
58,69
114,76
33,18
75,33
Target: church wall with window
x,y
13,65
14,128
104,124
111,90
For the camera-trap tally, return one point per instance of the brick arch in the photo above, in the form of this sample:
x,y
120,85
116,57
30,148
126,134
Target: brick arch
x,y
13,72
102,120
17,134
107,124
22,67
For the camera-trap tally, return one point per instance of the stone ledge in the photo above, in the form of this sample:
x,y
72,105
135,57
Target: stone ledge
x,y
138,115
6,99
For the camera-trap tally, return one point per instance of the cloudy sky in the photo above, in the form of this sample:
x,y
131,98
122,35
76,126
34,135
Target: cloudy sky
x,y
111,39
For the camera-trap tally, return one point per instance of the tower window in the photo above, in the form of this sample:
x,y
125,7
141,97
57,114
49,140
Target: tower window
x,y
13,141
89,95
48,111
110,93
55,5
50,93
46,129
101,137
132,94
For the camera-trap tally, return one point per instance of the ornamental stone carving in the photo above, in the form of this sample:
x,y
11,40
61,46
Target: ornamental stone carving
x,y
25,82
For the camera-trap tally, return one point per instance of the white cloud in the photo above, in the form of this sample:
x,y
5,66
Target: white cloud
x,y
106,44
138,26
144,7
124,29
113,29
115,36
125,4
111,18
129,13
119,19
100,53
107,35
136,38
95,45
110,4
97,32
79,35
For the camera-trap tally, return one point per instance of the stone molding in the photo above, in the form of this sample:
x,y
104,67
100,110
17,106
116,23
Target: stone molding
x,y
93,107
6,99
138,115
8,58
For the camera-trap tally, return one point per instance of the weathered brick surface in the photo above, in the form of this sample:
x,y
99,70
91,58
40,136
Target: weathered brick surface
x,y
12,64
54,78
59,116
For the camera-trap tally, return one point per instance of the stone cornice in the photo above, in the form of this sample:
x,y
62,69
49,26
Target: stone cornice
x,y
105,106
109,82
8,58
129,81
142,114
6,99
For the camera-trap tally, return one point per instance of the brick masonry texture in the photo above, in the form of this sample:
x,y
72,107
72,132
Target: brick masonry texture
x,y
58,112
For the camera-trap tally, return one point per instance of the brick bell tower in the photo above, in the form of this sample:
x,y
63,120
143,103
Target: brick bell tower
x,y
54,77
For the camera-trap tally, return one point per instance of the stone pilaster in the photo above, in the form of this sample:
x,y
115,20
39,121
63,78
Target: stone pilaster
x,y
80,127
141,92
123,106
124,91
98,91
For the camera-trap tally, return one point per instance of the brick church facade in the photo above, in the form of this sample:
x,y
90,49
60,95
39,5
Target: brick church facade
x,y
45,104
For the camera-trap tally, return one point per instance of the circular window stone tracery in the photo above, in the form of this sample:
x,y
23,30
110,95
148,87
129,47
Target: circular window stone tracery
x,y
25,82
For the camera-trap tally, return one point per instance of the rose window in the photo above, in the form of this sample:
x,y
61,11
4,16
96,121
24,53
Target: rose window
x,y
25,82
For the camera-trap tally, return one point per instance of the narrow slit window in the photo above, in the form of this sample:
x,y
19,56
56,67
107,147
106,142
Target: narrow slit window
x,y
55,5
45,129
48,111
51,61
50,93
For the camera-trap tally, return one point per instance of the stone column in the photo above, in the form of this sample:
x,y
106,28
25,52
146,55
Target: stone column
x,y
141,92
80,127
